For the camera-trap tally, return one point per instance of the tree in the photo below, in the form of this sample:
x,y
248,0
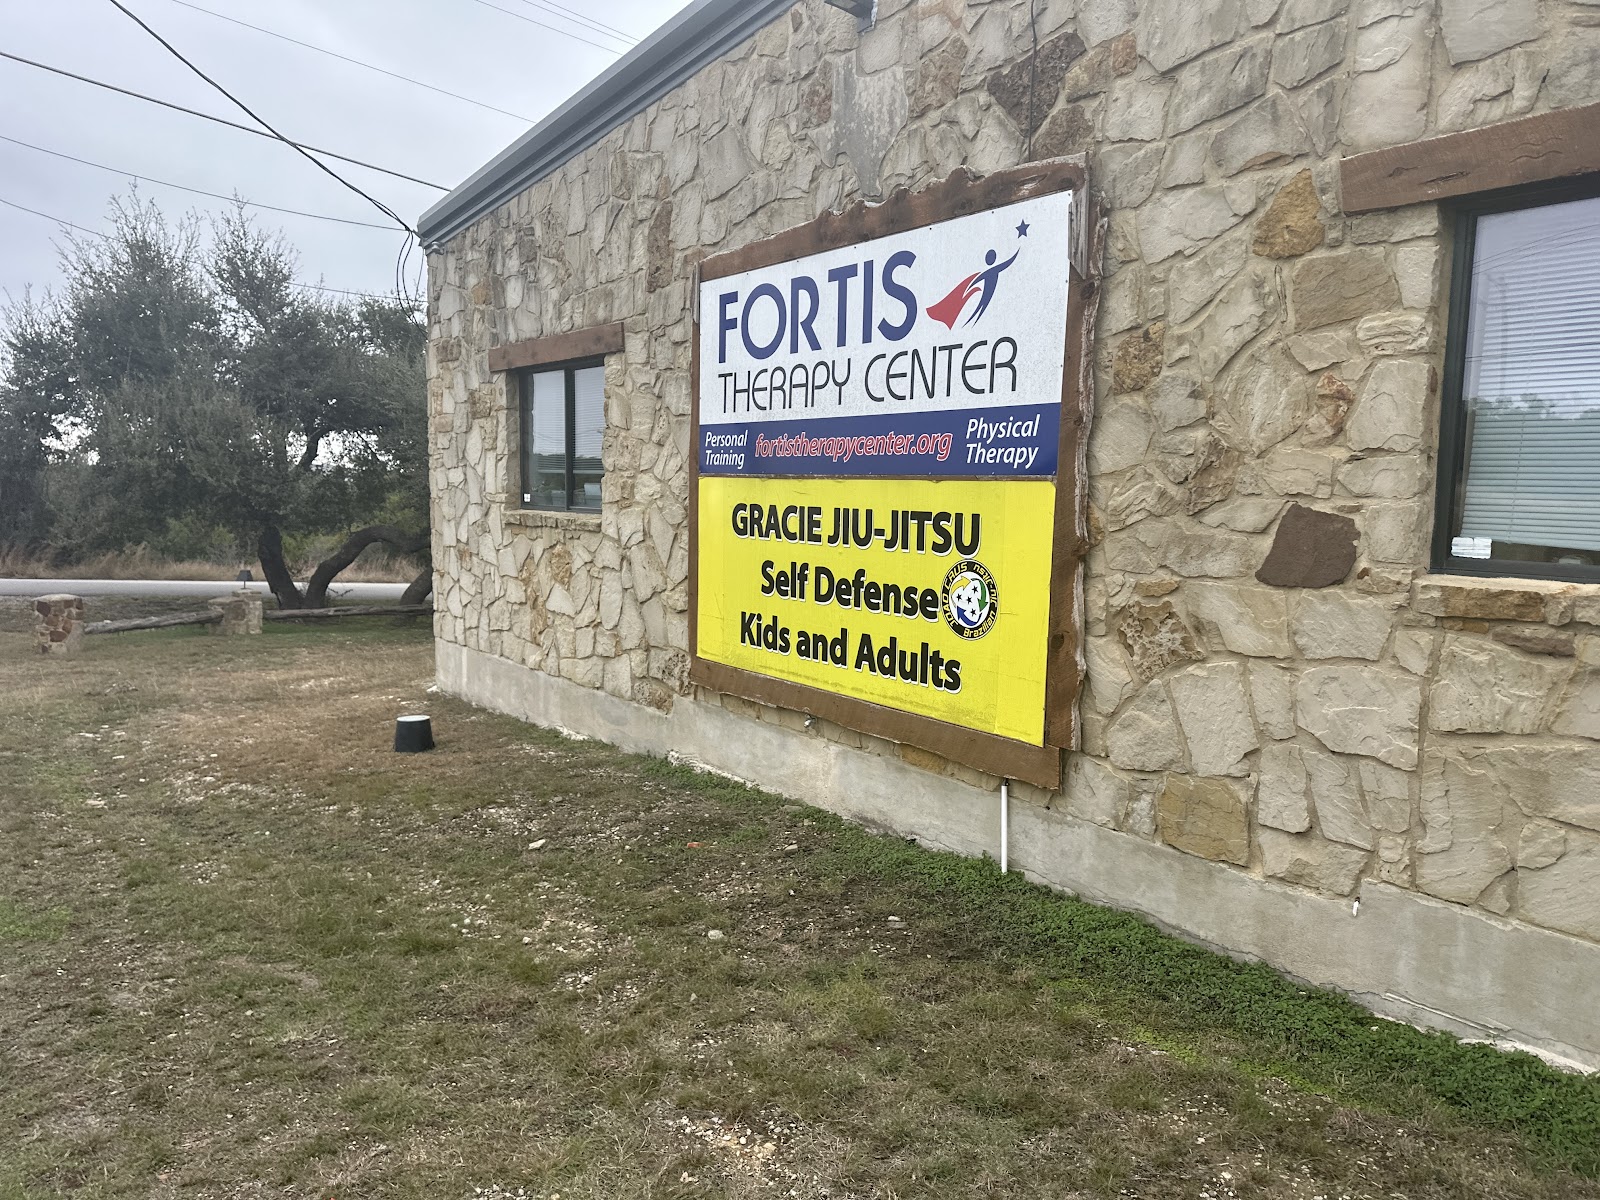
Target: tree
x,y
34,389
185,378
332,396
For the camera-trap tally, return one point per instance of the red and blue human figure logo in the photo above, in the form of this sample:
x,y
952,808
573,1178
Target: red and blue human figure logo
x,y
980,285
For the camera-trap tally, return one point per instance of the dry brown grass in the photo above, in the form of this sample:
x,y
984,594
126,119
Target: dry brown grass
x,y
140,563
247,951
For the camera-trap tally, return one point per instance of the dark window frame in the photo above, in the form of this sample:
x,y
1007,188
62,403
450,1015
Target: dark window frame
x,y
525,376
1451,476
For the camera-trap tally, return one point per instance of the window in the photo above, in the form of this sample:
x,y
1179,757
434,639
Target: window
x,y
563,421
1519,452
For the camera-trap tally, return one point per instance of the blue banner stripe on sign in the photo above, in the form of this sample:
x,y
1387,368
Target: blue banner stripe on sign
x,y
1013,442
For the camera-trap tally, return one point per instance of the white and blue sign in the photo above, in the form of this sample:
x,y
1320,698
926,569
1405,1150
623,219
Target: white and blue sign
x,y
938,352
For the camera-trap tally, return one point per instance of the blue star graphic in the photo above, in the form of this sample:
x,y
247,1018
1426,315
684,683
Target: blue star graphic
x,y
1022,230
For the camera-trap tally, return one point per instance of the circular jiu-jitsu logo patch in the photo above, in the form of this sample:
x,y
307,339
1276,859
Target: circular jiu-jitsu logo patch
x,y
969,599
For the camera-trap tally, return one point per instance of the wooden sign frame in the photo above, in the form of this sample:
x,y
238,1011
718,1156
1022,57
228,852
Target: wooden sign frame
x,y
959,195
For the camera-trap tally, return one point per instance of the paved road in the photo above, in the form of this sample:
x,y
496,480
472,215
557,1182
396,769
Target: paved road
x,y
355,593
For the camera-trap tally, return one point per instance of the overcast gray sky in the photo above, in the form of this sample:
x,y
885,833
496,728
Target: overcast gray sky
x,y
462,46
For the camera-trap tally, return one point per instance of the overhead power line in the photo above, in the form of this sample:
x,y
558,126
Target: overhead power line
x,y
197,191
261,121
48,217
354,61
316,287
111,87
561,10
551,28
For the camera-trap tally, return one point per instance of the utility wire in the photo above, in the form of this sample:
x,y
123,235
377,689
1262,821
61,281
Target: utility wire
x,y
355,61
111,87
542,25
322,287
197,191
577,18
318,287
48,217
261,121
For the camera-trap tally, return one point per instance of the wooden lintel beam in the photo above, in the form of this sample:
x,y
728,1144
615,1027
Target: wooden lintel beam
x,y
558,347
1552,145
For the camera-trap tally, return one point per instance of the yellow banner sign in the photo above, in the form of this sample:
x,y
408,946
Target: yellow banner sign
x,y
927,596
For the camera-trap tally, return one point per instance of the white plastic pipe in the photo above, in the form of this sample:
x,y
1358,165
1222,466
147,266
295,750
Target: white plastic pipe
x,y
1005,824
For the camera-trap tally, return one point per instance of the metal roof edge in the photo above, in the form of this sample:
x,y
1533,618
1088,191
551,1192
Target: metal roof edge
x,y
701,33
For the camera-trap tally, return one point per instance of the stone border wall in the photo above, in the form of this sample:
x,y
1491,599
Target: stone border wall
x,y
1274,682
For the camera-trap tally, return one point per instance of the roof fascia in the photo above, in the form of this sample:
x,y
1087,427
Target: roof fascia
x,y
695,37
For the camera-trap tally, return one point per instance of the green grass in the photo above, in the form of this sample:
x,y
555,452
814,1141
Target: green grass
x,y
245,950
1323,1040
19,924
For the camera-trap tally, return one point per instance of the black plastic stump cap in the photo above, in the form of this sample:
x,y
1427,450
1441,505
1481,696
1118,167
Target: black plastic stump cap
x,y
413,734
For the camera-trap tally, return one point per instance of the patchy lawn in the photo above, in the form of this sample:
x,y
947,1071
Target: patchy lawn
x,y
245,950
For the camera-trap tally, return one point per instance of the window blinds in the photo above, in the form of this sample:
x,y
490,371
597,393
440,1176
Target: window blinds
x,y
1532,379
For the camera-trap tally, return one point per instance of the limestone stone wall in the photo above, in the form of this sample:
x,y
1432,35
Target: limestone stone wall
x,y
1274,681
59,628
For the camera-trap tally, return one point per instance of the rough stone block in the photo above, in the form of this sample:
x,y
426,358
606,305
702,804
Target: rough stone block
x,y
1488,599
1136,110
1361,710
1322,349
1341,286
1297,14
1483,687
1292,224
1564,895
1475,29
1156,638
1578,714
1219,84
1387,792
1205,817
1554,642
1395,333
1170,33
1138,358
1030,78
1386,100
1555,779
1336,798
1394,533
1301,56
1311,861
241,613
1246,307
59,627
1272,698
1243,514
1281,801
1290,471
1464,812
1107,680
1540,844
1094,792
1331,625
1175,401
1398,477
1120,438
1194,282
1311,549
1101,20
1266,399
1183,221
1245,620
1145,737
1213,711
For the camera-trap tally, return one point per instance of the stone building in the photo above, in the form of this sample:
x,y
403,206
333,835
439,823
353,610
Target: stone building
x,y
1341,701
